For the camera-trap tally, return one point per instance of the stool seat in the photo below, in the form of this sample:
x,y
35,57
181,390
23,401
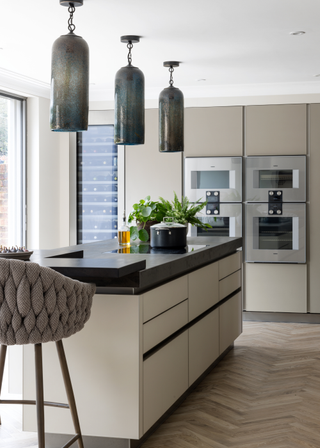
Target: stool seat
x,y
39,305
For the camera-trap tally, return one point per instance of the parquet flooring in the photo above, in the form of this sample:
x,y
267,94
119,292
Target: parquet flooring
x,y
265,393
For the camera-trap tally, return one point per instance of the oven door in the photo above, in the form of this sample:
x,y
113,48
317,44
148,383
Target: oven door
x,y
227,223
275,239
286,174
213,174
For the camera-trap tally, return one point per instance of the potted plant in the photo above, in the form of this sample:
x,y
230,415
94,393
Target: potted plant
x,y
147,212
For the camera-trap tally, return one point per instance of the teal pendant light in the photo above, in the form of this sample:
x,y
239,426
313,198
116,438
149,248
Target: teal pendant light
x,y
171,115
69,100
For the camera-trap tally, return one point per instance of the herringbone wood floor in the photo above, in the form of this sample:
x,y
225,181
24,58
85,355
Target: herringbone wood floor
x,y
265,393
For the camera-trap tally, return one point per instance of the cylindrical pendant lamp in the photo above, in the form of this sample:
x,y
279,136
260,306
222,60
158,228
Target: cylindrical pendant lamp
x,y
69,106
129,101
171,115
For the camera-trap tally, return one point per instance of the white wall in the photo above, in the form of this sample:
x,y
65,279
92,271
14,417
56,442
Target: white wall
x,y
47,180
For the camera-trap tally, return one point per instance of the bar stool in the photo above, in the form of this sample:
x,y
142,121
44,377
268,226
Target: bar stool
x,y
39,305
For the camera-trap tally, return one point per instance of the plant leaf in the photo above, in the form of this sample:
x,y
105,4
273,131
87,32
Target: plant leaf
x,y
146,212
134,233
143,235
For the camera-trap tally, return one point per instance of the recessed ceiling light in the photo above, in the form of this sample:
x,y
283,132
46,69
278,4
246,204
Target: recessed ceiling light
x,y
201,80
297,33
317,76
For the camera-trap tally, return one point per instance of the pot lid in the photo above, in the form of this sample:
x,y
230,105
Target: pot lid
x,y
168,225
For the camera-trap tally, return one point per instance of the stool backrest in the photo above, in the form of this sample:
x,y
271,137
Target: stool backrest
x,y
38,304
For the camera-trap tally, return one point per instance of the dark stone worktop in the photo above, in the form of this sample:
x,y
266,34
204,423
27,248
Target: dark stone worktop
x,y
134,273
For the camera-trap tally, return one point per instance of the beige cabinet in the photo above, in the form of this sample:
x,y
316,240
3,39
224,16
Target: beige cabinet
x,y
213,131
276,129
230,321
203,289
165,379
203,345
275,287
313,210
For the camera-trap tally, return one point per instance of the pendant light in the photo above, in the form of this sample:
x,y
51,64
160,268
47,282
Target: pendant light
x,y
129,101
171,115
69,105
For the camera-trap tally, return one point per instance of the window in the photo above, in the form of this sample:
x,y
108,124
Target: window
x,y
12,171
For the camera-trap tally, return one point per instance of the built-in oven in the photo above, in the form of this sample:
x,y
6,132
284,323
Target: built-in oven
x,y
286,174
225,220
222,175
275,232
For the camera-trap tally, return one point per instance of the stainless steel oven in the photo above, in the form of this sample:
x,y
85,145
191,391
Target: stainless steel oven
x,y
227,222
222,175
286,174
275,233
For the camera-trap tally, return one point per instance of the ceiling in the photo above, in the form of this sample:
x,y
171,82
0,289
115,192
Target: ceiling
x,y
227,47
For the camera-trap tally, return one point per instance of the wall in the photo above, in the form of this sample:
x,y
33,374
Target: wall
x,y
148,171
47,180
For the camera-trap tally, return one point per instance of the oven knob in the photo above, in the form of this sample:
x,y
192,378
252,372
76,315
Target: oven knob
x,y
208,212
279,212
208,193
215,212
270,193
215,193
279,193
270,212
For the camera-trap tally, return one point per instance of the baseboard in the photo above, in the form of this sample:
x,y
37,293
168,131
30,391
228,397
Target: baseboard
x,y
302,318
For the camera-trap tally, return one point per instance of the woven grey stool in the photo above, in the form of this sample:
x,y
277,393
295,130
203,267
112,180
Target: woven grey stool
x,y
39,305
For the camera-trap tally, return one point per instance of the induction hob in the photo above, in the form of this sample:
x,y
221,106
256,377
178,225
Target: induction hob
x,y
147,249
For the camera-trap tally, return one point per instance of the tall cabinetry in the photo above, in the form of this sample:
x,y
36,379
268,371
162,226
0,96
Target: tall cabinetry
x,y
275,130
213,131
313,209
279,129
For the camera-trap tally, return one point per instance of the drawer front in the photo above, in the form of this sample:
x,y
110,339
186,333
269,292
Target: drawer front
x,y
229,284
165,379
203,289
166,296
229,265
230,321
204,346
164,325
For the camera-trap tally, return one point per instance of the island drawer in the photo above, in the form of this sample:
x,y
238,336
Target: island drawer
x,y
161,327
165,379
230,321
164,297
229,265
229,284
203,290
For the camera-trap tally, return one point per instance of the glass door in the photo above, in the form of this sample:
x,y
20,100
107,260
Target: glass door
x,y
97,184
275,239
227,223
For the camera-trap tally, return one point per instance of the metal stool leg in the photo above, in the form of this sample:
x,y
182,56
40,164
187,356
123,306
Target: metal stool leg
x,y
39,395
3,352
69,390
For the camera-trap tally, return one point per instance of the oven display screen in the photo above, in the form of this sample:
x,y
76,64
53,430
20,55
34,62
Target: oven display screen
x,y
212,180
274,179
275,233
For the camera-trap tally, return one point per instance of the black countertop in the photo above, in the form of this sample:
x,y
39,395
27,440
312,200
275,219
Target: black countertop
x,y
132,273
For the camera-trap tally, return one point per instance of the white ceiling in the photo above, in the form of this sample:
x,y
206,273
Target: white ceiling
x,y
237,46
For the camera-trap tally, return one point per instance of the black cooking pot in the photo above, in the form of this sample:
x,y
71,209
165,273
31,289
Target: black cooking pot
x,y
168,234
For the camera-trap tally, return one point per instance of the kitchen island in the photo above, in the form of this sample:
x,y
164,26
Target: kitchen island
x,y
159,323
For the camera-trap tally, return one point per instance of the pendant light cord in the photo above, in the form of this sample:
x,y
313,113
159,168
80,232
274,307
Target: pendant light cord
x,y
129,46
71,26
171,70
